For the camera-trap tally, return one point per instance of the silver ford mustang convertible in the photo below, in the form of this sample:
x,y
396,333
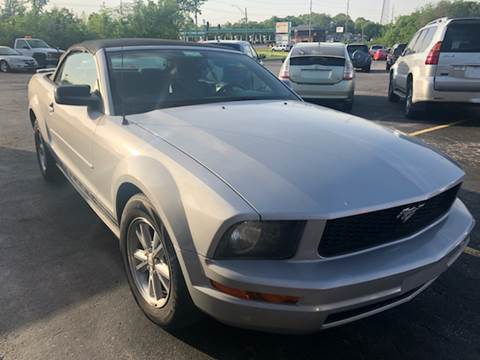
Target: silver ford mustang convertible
x,y
233,197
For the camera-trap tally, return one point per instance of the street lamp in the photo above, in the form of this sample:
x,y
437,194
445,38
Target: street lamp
x,y
244,14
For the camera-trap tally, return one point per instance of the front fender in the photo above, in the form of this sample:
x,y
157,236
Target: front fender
x,y
193,204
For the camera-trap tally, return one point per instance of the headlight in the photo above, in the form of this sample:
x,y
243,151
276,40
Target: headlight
x,y
260,240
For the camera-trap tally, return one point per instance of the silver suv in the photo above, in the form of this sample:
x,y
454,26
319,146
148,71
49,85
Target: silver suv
x,y
440,64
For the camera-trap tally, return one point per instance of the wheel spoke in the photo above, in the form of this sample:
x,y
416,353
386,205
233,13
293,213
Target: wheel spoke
x,y
157,250
142,266
163,274
156,241
140,255
152,286
144,236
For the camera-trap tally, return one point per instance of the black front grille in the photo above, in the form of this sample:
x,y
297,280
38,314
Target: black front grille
x,y
359,232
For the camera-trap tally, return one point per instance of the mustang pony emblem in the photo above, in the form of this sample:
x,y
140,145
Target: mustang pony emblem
x,y
407,213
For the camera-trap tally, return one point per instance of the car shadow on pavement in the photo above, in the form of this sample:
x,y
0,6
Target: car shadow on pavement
x,y
54,251
378,108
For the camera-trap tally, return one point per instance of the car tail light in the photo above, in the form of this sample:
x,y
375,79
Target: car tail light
x,y
434,54
349,72
285,72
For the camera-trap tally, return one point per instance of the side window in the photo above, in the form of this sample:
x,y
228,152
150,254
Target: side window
x,y
426,39
419,43
248,51
22,44
78,69
411,45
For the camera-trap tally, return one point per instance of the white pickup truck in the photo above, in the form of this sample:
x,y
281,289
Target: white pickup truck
x,y
44,54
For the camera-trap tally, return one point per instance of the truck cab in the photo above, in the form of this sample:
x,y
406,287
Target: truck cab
x,y
44,54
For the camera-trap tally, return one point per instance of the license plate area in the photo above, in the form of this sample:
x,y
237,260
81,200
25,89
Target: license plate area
x,y
472,72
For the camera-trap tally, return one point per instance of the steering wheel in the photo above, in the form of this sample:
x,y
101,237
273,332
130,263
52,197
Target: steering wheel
x,y
229,88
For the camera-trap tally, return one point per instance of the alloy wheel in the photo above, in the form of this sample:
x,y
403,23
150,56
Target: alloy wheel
x,y
148,262
3,66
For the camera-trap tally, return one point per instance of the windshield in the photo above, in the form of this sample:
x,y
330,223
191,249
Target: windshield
x,y
7,51
352,48
377,47
36,44
144,80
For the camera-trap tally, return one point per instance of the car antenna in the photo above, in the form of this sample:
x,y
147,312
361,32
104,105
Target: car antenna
x,y
124,118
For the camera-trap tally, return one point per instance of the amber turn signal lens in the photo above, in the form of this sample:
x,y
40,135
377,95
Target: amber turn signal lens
x,y
251,295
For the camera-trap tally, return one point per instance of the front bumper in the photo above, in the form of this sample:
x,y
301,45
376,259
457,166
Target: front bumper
x,y
23,67
332,291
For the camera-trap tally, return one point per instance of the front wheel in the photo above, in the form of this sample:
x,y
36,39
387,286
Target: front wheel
x,y
46,162
4,66
152,267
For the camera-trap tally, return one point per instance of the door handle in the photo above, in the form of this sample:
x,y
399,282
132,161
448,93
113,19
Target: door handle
x,y
51,108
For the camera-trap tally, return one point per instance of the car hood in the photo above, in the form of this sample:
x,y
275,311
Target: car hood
x,y
296,160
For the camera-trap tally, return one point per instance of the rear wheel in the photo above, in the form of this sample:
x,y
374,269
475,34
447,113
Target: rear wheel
x,y
411,110
152,267
392,97
46,162
348,105
4,66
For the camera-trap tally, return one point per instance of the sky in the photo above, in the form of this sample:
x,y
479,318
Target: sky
x,y
221,11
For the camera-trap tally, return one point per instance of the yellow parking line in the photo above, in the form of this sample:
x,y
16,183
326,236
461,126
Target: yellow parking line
x,y
435,128
471,251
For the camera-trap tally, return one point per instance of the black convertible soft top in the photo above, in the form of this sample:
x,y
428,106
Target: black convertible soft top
x,y
94,45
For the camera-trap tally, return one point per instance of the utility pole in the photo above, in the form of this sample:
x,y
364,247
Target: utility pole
x,y
246,22
346,21
310,22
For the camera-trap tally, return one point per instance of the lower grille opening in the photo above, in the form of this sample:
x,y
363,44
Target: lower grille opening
x,y
332,318
359,232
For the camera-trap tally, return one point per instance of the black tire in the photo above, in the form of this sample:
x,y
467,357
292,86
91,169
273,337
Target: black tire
x,y
46,162
392,97
411,109
367,68
348,106
177,311
4,67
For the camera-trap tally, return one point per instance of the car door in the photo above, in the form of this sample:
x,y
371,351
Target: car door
x,y
405,62
72,128
458,66
23,48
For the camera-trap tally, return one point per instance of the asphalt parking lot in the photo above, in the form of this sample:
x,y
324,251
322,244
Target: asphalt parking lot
x,y
63,293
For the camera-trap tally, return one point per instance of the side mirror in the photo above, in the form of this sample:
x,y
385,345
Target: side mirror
x,y
78,95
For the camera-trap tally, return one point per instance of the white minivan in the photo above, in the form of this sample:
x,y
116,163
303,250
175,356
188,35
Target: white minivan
x,y
441,64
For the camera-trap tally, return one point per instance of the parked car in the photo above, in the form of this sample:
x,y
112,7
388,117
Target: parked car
x,y
360,56
281,47
11,60
374,48
441,64
394,54
320,71
44,54
380,55
231,195
242,46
